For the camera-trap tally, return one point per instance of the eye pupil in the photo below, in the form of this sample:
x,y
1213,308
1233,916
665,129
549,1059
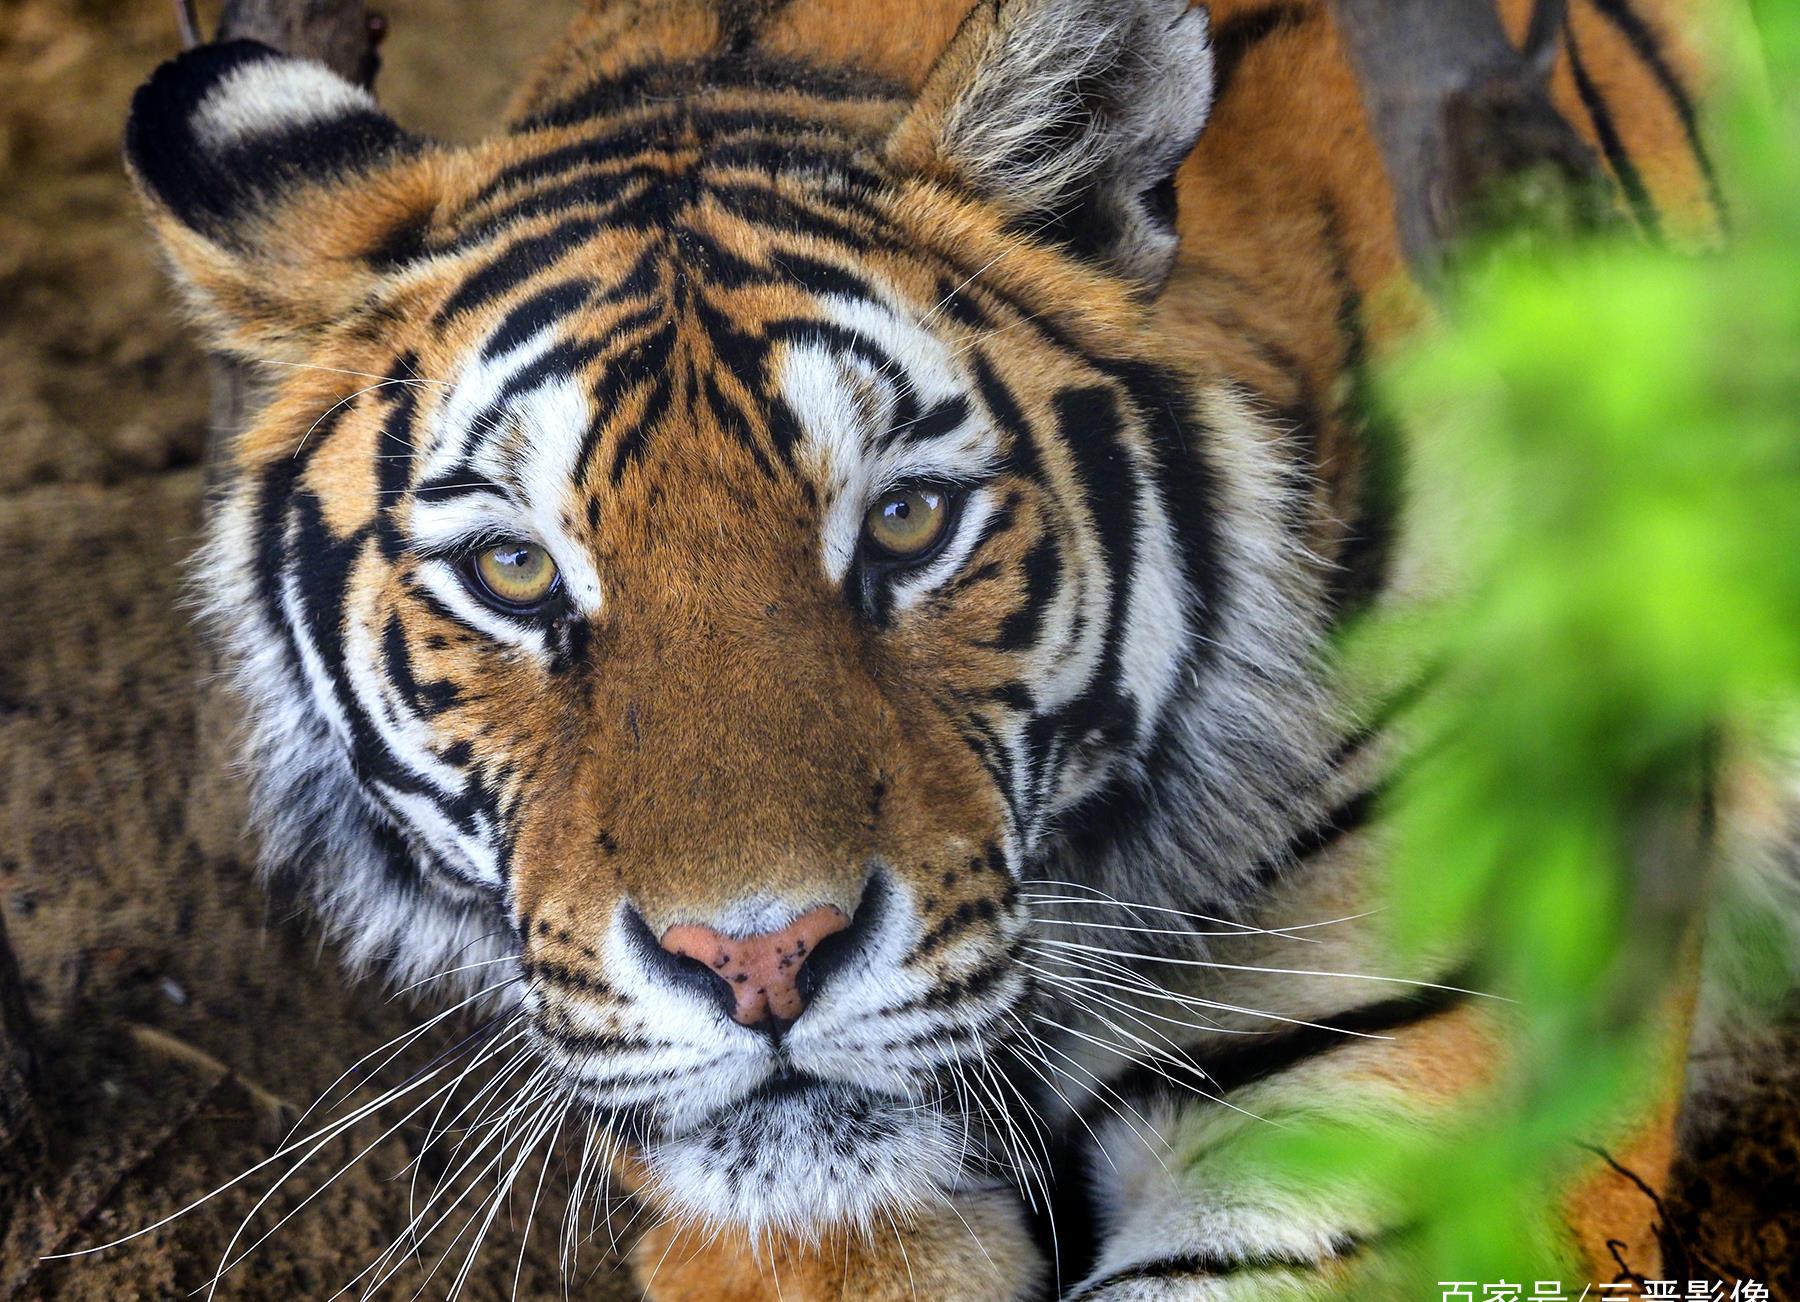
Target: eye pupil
x,y
908,522
514,573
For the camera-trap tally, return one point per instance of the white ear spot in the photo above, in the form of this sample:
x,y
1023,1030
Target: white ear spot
x,y
274,95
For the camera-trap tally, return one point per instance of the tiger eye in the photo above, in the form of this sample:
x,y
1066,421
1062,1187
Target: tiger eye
x,y
907,522
515,572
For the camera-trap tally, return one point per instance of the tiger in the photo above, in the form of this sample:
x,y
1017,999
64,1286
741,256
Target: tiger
x,y
804,571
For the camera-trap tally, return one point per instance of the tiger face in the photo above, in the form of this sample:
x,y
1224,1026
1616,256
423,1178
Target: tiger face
x,y
700,552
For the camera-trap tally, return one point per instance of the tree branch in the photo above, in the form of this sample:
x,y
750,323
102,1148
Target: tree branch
x,y
341,34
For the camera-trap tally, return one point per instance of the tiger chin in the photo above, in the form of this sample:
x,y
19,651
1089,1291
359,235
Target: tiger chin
x,y
746,568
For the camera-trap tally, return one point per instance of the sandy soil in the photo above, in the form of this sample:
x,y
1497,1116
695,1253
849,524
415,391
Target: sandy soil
x,y
183,1023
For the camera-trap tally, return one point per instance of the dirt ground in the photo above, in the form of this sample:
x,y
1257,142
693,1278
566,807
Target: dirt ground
x,y
183,1024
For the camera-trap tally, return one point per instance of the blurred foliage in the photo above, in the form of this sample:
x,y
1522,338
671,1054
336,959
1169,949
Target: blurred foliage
x,y
1603,454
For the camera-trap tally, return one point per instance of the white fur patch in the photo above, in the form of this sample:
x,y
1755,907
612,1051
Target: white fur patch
x,y
845,408
1035,84
273,95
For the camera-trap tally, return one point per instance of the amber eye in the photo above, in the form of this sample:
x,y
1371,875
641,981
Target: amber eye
x,y
515,573
908,522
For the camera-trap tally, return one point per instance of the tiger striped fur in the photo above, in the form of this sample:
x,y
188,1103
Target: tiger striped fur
x,y
1102,275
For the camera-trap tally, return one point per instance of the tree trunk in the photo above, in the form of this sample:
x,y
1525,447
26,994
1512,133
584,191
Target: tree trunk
x,y
341,34
1464,120
21,1130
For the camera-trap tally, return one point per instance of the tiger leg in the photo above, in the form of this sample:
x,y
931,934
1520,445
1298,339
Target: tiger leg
x,y
1192,1209
974,1246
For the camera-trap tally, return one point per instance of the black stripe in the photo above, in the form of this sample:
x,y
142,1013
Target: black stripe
x,y
936,421
623,195
209,187
1611,144
458,481
1236,37
646,364
560,360
1186,482
1362,563
1247,1061
535,312
798,147
1198,1265
1350,816
1020,628
1649,49
838,217
1385,713
653,82
1091,424
734,137
953,924
515,264
733,420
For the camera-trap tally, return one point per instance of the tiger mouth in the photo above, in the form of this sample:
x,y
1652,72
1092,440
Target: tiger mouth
x,y
788,1091
786,1083
803,1151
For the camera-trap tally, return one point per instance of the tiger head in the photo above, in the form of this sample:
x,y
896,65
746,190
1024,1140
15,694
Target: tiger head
x,y
699,554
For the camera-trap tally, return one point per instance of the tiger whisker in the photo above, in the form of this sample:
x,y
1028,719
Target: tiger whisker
x,y
495,1140
1174,1053
1278,971
1115,1102
554,1106
1152,931
227,1262
1155,1063
496,1108
981,1247
415,378
452,971
1027,1171
1038,1167
906,1260
975,275
537,1193
1139,984
675,1219
599,1179
1115,1002
341,402
328,1131
1237,929
505,1072
568,1237
409,1037
1028,1042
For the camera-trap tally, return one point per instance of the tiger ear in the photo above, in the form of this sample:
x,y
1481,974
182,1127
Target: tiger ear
x,y
1073,116
279,192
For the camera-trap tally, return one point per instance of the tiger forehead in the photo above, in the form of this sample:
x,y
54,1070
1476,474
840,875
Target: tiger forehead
x,y
578,379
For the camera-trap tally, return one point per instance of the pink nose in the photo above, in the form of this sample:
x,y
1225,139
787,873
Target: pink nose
x,y
762,971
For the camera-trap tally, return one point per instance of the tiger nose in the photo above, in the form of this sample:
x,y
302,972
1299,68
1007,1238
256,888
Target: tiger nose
x,y
762,972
